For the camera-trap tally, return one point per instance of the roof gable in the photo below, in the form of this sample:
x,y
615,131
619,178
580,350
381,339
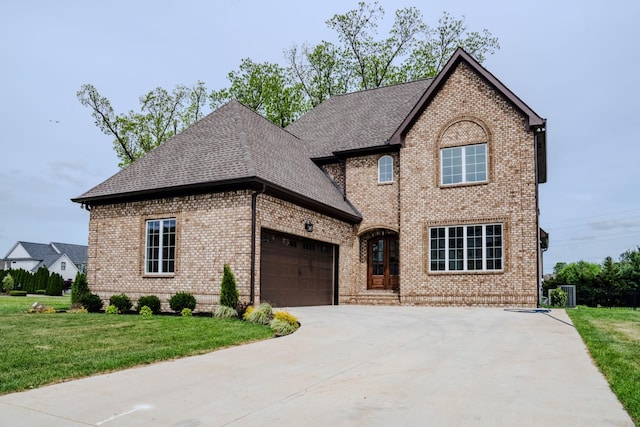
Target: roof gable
x,y
533,120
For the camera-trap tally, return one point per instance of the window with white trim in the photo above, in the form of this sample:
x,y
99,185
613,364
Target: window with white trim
x,y
63,265
460,165
466,248
160,248
385,169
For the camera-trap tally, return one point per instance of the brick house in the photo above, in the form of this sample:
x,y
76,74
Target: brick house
x,y
418,193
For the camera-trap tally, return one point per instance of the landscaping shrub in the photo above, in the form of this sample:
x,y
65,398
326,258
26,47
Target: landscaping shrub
x,y
182,300
7,283
55,285
111,309
18,293
186,312
241,308
228,290
225,312
41,279
151,301
41,308
41,292
79,288
262,315
145,310
558,297
247,312
121,301
284,323
92,302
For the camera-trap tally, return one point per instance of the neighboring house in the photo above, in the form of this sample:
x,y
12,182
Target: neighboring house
x,y
418,193
62,258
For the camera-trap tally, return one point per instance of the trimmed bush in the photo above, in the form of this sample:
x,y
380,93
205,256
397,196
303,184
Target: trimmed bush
x,y
228,290
182,300
18,293
150,301
41,292
111,309
121,301
79,288
186,312
145,310
92,302
224,312
262,315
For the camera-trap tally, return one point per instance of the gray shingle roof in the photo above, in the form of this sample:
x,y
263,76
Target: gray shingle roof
x,y
39,251
76,253
357,120
232,144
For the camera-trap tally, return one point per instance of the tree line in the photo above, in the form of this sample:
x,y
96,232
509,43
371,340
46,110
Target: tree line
x,y
43,281
360,59
609,284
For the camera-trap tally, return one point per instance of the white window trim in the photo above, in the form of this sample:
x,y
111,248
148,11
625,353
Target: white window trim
x,y
160,245
465,249
379,164
464,165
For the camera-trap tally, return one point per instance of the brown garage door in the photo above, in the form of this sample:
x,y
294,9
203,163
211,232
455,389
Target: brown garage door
x,y
294,271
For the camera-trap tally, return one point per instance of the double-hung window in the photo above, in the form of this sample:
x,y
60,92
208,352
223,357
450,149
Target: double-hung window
x,y
160,248
385,169
466,248
461,165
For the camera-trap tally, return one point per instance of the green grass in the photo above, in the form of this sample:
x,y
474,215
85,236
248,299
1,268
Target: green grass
x,y
613,339
38,349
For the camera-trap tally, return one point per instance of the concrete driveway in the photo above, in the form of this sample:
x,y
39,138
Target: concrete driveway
x,y
355,366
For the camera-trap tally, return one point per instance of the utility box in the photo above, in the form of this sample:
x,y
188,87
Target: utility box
x,y
571,295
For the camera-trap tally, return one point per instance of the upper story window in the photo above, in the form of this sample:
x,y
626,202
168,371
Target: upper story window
x,y
461,165
160,248
385,169
63,265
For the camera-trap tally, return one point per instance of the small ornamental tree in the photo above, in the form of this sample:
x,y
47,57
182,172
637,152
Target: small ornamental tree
x,y
228,290
79,289
7,283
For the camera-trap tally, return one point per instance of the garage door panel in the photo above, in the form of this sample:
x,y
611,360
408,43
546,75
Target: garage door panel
x,y
295,271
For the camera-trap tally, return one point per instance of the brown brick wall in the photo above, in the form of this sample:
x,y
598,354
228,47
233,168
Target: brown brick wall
x,y
467,111
211,230
214,229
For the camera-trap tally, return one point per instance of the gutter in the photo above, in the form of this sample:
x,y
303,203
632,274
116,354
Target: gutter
x,y
254,197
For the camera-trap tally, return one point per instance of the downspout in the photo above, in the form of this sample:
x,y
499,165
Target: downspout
x,y
538,250
254,197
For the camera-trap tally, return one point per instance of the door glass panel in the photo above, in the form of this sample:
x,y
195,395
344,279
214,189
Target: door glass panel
x,y
377,252
394,264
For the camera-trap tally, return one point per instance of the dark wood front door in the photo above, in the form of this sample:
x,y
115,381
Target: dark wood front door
x,y
384,266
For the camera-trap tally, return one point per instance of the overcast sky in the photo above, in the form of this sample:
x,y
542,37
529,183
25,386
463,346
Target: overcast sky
x,y
573,62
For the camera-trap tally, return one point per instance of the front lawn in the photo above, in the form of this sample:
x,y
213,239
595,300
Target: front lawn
x,y
613,339
37,349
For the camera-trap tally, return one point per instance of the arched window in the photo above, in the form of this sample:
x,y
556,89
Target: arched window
x,y
385,169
